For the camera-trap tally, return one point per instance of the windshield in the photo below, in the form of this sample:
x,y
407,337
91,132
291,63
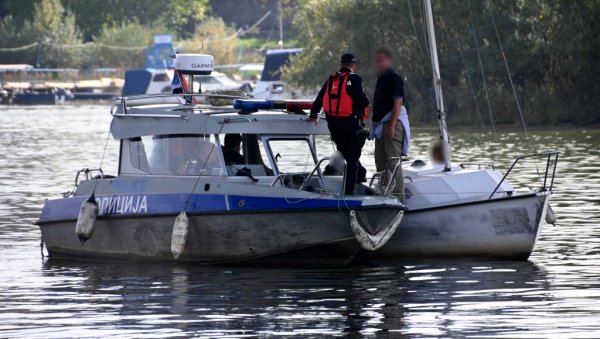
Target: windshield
x,y
292,155
176,155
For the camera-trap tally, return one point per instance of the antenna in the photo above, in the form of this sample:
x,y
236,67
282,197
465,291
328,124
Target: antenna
x,y
280,24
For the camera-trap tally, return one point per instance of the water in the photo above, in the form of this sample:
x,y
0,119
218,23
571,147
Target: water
x,y
555,294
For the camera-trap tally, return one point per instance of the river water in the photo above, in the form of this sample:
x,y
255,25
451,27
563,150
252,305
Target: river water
x,y
554,294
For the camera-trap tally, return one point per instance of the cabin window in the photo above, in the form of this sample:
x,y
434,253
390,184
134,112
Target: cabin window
x,y
292,155
160,77
244,154
176,155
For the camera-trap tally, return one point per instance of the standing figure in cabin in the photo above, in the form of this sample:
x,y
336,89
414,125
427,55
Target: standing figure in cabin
x,y
232,149
345,104
390,127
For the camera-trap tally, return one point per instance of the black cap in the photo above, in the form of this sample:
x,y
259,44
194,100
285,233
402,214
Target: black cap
x,y
348,58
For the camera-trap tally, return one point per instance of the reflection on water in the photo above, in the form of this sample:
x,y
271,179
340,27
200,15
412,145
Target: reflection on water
x,y
556,293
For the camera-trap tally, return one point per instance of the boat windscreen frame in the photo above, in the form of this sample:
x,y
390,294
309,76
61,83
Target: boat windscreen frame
x,y
266,143
126,167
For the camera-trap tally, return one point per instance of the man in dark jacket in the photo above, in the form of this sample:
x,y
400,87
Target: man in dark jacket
x,y
345,104
390,126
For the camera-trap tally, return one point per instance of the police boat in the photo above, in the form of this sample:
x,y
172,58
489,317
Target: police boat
x,y
178,196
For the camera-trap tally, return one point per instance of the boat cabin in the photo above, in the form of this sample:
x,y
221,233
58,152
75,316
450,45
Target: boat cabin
x,y
268,147
258,141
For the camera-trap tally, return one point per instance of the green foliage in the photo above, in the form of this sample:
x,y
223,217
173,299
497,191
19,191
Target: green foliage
x,y
14,35
131,37
551,47
177,15
92,16
213,37
52,27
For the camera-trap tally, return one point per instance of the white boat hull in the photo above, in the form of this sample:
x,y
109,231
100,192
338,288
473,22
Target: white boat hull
x,y
505,228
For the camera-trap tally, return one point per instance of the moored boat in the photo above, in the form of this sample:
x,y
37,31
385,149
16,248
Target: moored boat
x,y
172,161
177,196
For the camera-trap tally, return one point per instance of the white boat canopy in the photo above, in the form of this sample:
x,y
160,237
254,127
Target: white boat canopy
x,y
169,119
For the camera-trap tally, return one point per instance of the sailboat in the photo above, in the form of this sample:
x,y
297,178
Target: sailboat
x,y
460,211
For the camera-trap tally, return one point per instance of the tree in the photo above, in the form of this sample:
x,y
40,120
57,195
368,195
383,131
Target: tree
x,y
213,37
551,48
176,15
53,29
131,38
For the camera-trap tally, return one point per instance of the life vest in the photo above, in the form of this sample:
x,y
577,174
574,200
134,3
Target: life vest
x,y
337,102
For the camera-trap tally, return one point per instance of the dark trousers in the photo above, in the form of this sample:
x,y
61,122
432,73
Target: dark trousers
x,y
344,135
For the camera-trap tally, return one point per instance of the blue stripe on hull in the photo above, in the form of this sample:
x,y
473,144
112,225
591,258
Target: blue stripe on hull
x,y
148,204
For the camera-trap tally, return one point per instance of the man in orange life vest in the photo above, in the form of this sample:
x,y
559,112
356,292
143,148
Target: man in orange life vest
x,y
345,104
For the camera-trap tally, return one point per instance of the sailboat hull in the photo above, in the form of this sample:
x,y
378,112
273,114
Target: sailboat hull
x,y
505,228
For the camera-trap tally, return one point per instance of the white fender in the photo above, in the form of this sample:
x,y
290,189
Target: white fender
x,y
372,242
550,216
86,219
179,236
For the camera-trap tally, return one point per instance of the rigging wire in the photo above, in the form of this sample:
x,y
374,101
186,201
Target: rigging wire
x,y
472,90
412,20
352,28
485,88
424,29
512,85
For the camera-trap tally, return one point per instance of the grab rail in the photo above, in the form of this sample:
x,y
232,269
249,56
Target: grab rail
x,y
544,187
122,101
391,177
87,172
317,169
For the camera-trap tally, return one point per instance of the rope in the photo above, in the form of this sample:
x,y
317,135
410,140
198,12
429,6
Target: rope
x,y
82,45
487,95
187,201
512,85
15,49
102,160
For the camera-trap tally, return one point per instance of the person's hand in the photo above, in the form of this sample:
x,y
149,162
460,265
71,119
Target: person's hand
x,y
312,119
388,132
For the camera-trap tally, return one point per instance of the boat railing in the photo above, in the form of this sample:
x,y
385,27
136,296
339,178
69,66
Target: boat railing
x,y
123,101
390,178
547,184
88,173
311,174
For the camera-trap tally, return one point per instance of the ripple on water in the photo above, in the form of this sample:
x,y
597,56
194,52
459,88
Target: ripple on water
x,y
556,293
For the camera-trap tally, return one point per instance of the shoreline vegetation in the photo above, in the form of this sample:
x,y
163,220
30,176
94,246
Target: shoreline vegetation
x,y
502,63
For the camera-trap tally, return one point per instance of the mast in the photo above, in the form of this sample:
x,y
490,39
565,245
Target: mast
x,y
437,85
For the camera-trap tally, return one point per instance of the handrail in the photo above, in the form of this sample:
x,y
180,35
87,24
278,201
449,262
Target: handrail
x,y
122,100
168,95
310,175
87,173
317,169
543,188
379,174
178,116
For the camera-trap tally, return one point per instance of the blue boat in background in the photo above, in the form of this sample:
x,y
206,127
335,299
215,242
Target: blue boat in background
x,y
46,96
